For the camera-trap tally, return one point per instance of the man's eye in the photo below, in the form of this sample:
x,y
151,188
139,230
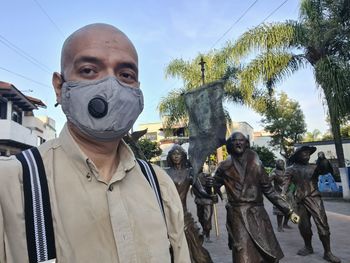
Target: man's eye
x,y
127,77
87,71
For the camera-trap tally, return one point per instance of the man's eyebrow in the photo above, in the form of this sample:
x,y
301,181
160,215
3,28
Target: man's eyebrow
x,y
129,65
89,59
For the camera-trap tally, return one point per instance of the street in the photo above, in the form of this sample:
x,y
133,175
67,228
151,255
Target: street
x,y
338,212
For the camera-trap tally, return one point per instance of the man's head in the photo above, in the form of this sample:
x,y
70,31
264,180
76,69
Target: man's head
x,y
302,154
98,86
236,144
94,52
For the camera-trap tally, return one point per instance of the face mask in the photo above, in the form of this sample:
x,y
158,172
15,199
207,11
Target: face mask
x,y
104,109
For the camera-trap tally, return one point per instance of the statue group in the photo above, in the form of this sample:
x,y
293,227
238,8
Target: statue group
x,y
293,193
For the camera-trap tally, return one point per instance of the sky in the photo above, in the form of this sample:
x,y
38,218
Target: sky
x,y
32,33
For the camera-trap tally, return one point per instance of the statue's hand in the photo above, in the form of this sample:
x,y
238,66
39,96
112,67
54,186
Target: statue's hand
x,y
215,199
294,218
209,181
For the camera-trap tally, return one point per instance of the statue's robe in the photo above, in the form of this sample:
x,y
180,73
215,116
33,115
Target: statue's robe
x,y
248,223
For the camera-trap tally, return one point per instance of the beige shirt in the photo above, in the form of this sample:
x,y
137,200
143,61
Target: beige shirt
x,y
119,222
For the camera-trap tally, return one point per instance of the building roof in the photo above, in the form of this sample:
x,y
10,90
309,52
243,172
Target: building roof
x,y
26,103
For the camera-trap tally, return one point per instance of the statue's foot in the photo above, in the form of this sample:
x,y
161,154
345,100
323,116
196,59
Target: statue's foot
x,y
287,226
280,229
331,258
305,251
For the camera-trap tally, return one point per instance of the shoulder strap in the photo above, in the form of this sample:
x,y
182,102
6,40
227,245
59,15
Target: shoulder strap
x,y
37,210
151,177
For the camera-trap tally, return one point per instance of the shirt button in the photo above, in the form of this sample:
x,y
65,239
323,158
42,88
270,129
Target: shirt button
x,y
110,188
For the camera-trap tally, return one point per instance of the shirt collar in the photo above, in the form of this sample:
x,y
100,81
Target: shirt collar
x,y
81,160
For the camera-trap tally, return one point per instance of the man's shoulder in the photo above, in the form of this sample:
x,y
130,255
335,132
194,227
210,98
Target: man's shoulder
x,y
10,174
48,146
162,176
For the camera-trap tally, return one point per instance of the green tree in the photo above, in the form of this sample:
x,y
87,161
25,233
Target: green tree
x,y
217,66
267,157
150,149
285,121
315,135
320,38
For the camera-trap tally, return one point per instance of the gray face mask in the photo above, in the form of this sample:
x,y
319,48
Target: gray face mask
x,y
104,109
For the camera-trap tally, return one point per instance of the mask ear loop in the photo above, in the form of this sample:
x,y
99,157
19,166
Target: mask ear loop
x,y
63,80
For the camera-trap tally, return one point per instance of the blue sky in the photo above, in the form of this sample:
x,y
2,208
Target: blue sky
x,y
160,30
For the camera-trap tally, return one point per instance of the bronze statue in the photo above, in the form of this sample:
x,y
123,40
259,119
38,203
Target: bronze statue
x,y
323,165
180,173
204,208
277,177
248,223
309,201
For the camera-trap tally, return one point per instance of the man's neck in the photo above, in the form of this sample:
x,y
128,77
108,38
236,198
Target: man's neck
x,y
103,154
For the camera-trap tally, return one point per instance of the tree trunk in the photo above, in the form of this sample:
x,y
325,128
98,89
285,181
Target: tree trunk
x,y
335,125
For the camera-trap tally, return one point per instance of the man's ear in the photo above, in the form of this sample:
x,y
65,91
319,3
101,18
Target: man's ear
x,y
57,82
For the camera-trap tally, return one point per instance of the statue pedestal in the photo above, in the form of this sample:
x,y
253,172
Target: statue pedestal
x,y
345,182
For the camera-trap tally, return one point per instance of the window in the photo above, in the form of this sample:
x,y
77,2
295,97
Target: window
x,y
17,116
40,140
3,109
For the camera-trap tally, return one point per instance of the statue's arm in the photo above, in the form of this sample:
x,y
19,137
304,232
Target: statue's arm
x,y
198,188
274,197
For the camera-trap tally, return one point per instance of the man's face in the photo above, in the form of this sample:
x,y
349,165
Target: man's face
x,y
239,143
97,53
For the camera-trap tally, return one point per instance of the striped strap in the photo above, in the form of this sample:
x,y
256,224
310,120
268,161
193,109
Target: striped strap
x,y
37,209
151,177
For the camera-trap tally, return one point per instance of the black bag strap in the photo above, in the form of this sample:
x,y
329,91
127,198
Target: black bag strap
x,y
151,177
37,209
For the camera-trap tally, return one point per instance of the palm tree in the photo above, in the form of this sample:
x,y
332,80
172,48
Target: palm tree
x,y
173,108
321,38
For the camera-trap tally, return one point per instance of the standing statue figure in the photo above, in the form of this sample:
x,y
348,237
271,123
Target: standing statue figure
x,y
180,173
277,177
309,201
325,172
205,208
248,223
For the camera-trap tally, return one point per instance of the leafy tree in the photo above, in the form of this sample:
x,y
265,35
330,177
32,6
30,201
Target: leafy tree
x,y
266,156
345,130
320,38
150,149
315,135
285,121
217,67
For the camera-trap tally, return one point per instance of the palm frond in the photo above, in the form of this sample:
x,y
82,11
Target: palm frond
x,y
277,36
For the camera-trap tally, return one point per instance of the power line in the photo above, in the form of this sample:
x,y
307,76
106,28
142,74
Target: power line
x,y
51,20
23,54
274,11
239,19
24,77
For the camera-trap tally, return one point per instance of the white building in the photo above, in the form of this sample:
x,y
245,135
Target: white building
x,y
19,128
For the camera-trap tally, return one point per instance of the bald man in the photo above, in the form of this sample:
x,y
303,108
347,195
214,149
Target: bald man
x,y
101,206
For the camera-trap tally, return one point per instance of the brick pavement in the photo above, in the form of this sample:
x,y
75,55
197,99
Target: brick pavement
x,y
338,213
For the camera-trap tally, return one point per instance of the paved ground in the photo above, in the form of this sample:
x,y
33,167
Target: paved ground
x,y
338,213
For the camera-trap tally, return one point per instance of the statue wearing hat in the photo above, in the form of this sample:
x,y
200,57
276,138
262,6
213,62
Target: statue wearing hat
x,y
309,201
